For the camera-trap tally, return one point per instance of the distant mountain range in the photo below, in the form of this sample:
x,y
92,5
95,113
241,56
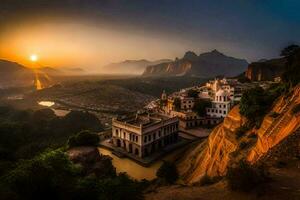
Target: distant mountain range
x,y
16,75
208,64
131,66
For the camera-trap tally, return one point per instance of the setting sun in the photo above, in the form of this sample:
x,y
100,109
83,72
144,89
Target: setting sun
x,y
33,57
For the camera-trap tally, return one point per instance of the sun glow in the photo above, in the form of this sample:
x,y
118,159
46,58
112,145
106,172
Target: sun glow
x,y
33,57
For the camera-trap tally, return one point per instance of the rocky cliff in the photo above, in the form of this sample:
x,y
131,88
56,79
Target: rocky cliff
x,y
224,148
208,64
265,70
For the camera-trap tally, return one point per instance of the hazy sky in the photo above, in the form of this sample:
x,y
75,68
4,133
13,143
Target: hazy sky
x,y
91,33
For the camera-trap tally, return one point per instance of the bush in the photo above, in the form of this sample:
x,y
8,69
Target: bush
x,y
256,102
192,93
296,109
241,131
246,178
167,172
274,114
84,138
243,145
51,175
47,176
207,180
200,106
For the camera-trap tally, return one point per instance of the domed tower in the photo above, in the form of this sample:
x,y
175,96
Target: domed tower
x,y
216,85
221,105
222,96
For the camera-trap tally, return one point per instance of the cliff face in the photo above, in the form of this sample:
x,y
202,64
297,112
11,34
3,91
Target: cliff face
x,y
274,130
212,157
205,65
265,70
223,147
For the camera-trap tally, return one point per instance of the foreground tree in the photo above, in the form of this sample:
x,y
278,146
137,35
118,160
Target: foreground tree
x,y
84,138
200,107
291,74
167,172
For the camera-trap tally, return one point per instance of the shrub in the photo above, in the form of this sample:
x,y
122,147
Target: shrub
x,y
207,180
241,131
246,178
193,93
200,106
243,145
84,138
256,102
167,172
296,109
274,114
47,176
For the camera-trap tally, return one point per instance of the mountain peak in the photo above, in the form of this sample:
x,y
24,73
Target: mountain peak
x,y
190,55
215,51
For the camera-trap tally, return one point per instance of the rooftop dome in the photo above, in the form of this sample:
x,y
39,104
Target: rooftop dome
x,y
221,93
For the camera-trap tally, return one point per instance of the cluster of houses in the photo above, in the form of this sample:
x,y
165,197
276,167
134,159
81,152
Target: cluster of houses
x,y
221,93
150,131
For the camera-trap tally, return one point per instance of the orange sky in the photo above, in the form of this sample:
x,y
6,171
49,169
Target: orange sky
x,y
88,46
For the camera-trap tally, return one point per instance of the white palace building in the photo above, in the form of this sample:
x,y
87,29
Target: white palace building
x,y
145,133
221,104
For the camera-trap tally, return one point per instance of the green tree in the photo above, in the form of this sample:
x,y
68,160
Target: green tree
x,y
291,73
167,172
254,104
84,138
193,93
177,104
200,106
50,175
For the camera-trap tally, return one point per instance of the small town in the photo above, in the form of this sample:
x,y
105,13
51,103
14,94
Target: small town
x,y
175,120
149,100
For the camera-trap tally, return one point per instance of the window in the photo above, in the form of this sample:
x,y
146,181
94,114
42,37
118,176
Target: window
x,y
224,112
145,139
159,133
224,106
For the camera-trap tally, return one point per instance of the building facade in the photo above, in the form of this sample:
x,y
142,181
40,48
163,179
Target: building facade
x,y
221,105
145,133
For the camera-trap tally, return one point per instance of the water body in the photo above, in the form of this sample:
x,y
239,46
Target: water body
x,y
58,112
135,170
46,103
